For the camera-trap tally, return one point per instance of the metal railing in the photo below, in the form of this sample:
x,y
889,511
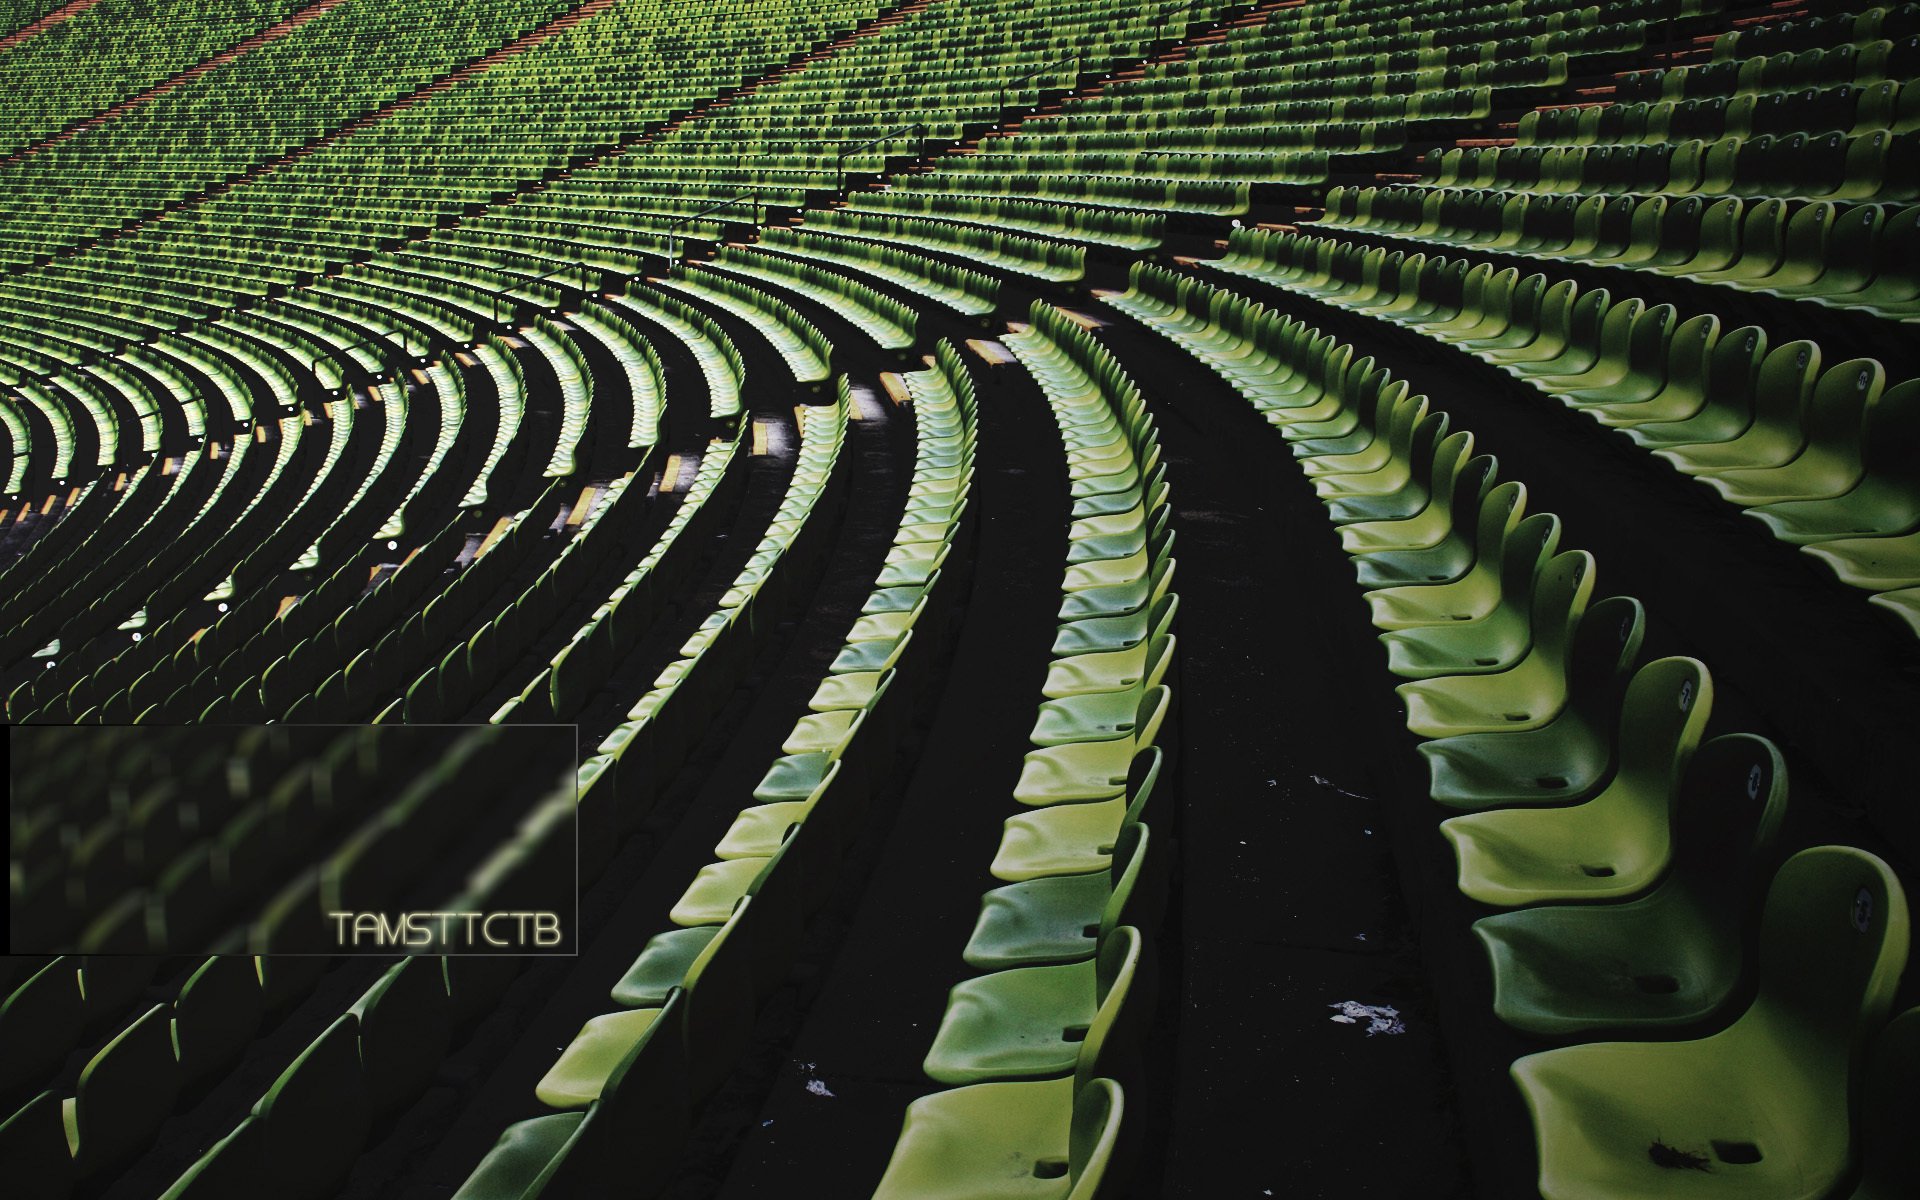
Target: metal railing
x,y
752,199
846,152
582,266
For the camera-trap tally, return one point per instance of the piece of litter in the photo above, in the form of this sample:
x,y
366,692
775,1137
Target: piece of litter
x,y
766,1122
1380,1018
816,1087
1359,937
1331,786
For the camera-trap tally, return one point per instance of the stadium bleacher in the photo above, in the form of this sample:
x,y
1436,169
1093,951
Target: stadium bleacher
x,y
808,402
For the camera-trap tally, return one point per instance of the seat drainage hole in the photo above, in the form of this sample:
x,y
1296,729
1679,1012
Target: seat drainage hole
x,y
1675,1159
1074,1033
1092,931
1658,985
1739,1154
1049,1168
1600,872
1552,781
1486,662
1517,716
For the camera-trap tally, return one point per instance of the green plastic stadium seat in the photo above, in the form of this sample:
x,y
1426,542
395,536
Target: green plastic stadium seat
x,y
1554,590
580,1073
1505,566
405,1024
1614,845
1829,462
1045,1140
523,1162
1771,434
1030,1022
1059,918
126,1091
1889,1107
662,966
1672,957
1072,839
1087,771
1479,513
315,1118
215,1015
33,1144
1526,695
1761,1109
1567,758
1887,499
40,1023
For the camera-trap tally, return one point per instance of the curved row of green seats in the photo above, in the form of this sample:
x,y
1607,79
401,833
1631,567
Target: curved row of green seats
x,y
971,293
1686,1095
801,346
1873,167
1821,455
1031,1045
609,520
887,322
1095,226
214,1014
569,366
719,359
509,387
640,365
1856,259
1834,28
371,685
61,599
1052,261
687,1002
1885,107
1790,71
268,672
580,668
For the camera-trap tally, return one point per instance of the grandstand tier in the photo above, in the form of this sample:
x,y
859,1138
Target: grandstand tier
x,y
805,406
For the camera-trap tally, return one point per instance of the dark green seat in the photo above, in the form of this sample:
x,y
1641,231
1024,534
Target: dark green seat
x,y
215,1015
40,1024
1552,590
1672,957
1828,462
125,1093
33,1147
314,1119
1771,435
1762,1109
1030,1022
405,1025
523,1162
1885,502
1058,918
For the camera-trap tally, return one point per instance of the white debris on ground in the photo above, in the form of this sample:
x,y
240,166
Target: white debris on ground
x,y
1380,1018
816,1087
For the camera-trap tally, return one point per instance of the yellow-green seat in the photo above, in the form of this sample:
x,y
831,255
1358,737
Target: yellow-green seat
x,y
1761,1110
1669,958
1141,665
1072,839
1084,771
1529,693
1045,1140
1614,845
1557,588
1505,560
1032,1022
1059,918
1569,757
